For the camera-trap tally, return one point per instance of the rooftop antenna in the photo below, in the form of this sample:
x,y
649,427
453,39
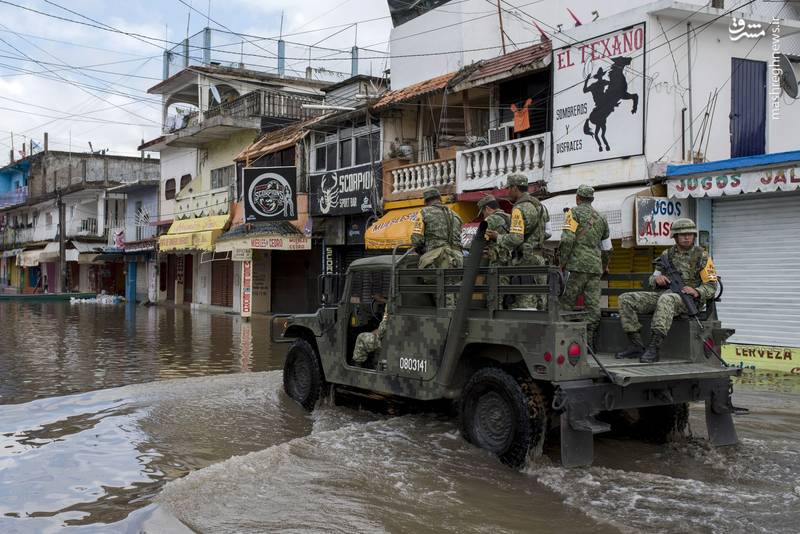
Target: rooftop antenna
x,y
208,14
281,32
188,19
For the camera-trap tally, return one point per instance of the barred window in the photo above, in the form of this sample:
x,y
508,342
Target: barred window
x,y
223,177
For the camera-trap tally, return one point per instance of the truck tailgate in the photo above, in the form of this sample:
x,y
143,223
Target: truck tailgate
x,y
628,372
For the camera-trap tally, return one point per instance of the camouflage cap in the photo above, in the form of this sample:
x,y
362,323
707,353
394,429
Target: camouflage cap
x,y
485,200
585,191
517,179
683,226
430,194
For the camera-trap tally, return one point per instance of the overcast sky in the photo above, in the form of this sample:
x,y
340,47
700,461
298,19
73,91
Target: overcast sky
x,y
109,105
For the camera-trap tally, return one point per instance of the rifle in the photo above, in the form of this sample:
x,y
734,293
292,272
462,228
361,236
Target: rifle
x,y
676,285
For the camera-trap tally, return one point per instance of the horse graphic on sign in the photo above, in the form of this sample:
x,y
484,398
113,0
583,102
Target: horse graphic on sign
x,y
607,95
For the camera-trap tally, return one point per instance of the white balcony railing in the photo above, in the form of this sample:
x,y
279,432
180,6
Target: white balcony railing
x,y
203,203
487,167
419,176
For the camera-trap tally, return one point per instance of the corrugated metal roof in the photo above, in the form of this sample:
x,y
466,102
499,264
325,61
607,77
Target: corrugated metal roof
x,y
414,91
277,140
511,64
262,228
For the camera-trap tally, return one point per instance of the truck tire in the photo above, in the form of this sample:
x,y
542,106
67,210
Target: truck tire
x,y
505,416
661,424
302,374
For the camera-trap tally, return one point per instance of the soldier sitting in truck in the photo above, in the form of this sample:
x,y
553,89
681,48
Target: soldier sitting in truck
x,y
700,279
368,343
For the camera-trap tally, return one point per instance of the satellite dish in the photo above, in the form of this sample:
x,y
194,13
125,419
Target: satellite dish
x,y
788,79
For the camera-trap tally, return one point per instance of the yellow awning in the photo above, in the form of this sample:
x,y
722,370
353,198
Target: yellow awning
x,y
395,227
194,234
189,241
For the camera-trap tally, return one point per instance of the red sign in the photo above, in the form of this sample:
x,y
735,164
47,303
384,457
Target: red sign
x,y
247,288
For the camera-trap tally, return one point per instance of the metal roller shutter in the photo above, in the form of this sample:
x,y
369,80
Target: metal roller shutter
x,y
757,255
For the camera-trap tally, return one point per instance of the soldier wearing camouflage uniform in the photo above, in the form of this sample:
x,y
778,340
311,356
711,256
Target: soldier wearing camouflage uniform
x,y
585,251
498,221
525,239
369,342
699,277
437,236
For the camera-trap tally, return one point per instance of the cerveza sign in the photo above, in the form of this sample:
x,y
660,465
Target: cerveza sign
x,y
342,192
270,194
598,98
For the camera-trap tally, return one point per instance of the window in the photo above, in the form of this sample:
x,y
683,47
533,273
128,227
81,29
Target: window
x,y
346,153
223,176
366,146
169,189
185,179
319,158
356,144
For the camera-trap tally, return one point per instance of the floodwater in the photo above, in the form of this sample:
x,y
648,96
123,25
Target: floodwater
x,y
116,419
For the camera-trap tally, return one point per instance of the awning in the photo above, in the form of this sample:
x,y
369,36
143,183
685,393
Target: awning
x,y
617,205
82,247
265,242
395,227
194,234
735,182
87,258
50,253
11,253
29,258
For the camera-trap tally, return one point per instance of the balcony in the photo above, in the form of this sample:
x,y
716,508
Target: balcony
x,y
17,236
203,203
243,113
408,181
488,166
13,198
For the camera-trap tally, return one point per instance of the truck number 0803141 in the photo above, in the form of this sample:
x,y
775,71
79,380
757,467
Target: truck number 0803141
x,y
413,364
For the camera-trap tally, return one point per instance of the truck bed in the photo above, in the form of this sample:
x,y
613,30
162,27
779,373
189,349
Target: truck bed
x,y
624,372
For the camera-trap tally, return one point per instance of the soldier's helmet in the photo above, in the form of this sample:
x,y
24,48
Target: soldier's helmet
x,y
683,226
516,179
430,194
485,200
585,191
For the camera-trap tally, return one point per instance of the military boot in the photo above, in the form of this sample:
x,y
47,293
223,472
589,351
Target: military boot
x,y
635,348
651,354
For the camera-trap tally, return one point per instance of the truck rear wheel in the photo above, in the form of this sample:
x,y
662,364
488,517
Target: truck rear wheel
x,y
302,374
661,424
502,415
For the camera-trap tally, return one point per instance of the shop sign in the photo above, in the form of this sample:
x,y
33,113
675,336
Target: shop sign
x,y
598,98
734,183
242,254
281,243
345,191
247,288
786,359
270,194
654,218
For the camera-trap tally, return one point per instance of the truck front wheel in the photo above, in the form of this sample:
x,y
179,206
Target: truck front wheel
x,y
502,415
302,374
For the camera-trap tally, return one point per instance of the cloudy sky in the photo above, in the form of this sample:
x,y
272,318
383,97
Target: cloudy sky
x,y
83,80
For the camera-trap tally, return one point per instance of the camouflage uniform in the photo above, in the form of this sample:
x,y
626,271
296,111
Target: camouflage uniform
x,y
585,251
697,270
526,238
437,232
369,342
500,222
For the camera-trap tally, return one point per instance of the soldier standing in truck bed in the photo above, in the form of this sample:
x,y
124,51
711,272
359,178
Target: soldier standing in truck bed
x,y
525,239
585,251
437,236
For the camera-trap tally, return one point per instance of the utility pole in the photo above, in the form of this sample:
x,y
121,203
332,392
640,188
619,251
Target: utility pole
x,y
502,31
62,260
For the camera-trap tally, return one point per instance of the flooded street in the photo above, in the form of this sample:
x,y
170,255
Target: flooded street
x,y
115,419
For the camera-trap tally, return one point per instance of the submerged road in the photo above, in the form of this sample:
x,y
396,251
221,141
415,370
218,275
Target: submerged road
x,y
116,419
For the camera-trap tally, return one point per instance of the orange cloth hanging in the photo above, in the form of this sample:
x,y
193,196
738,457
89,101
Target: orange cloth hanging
x,y
522,120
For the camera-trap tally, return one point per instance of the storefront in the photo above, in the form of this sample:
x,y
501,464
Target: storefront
x,y
182,250
750,206
273,268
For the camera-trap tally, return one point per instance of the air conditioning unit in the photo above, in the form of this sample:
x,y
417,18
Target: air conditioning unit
x,y
502,133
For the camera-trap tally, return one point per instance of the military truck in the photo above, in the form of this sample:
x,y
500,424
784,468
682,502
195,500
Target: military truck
x,y
515,374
